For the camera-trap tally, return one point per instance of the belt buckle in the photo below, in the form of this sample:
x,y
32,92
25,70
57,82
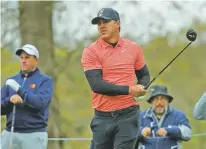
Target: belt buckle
x,y
115,113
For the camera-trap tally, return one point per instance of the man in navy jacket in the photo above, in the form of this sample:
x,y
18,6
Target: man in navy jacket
x,y
161,126
30,92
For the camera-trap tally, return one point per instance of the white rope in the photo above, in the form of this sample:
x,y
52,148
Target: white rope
x,y
86,139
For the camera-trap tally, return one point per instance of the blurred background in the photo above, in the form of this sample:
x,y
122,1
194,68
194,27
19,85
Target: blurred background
x,y
61,30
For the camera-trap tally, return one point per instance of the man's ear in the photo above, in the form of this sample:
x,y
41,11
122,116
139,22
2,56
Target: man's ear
x,y
37,60
118,23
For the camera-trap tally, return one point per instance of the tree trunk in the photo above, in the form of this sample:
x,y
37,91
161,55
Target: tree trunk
x,y
36,28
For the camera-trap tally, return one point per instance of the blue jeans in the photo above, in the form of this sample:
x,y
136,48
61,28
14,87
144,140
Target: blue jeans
x,y
35,140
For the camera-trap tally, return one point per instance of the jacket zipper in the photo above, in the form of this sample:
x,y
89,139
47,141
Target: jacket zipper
x,y
23,82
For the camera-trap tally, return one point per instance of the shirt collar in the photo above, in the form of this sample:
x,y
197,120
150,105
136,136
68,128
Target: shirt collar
x,y
105,44
30,73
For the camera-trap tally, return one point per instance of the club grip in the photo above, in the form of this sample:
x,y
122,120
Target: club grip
x,y
146,87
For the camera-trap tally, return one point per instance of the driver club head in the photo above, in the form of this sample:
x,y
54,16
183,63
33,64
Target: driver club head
x,y
191,35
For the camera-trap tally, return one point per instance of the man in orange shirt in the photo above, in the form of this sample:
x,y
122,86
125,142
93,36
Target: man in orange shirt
x,y
112,66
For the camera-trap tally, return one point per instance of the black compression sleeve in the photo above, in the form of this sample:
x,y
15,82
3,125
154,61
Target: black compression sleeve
x,y
100,86
143,76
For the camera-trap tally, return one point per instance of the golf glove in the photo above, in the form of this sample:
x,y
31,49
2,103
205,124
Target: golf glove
x,y
139,98
13,84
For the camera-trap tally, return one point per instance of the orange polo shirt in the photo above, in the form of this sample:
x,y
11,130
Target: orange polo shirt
x,y
118,66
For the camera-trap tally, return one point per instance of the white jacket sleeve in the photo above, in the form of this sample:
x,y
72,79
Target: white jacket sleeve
x,y
200,108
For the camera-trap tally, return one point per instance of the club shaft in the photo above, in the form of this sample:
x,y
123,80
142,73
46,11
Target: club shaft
x,y
147,86
12,125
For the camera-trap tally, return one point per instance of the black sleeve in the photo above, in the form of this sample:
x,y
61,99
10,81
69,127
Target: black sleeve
x,y
143,76
6,109
6,105
100,86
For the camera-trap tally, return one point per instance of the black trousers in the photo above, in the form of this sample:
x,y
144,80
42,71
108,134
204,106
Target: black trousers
x,y
115,130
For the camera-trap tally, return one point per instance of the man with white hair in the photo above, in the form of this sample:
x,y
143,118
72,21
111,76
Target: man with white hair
x,y
161,125
28,93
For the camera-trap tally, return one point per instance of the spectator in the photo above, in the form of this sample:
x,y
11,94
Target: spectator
x,y
161,126
200,108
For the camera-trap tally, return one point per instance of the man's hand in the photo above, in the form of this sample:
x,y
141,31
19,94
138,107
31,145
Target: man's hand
x,y
13,84
161,132
146,132
137,90
16,99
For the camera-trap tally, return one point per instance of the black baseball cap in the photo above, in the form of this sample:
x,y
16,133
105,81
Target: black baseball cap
x,y
107,14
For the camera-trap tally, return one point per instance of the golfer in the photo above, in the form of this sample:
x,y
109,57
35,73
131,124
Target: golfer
x,y
112,65
31,92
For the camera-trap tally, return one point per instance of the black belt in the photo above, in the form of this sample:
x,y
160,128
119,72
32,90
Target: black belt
x,y
116,113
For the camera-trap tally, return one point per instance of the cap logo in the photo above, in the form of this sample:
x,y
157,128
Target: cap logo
x,y
152,90
28,47
101,12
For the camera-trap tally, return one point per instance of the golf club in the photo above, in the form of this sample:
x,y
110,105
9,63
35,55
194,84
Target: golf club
x,y
12,126
191,36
